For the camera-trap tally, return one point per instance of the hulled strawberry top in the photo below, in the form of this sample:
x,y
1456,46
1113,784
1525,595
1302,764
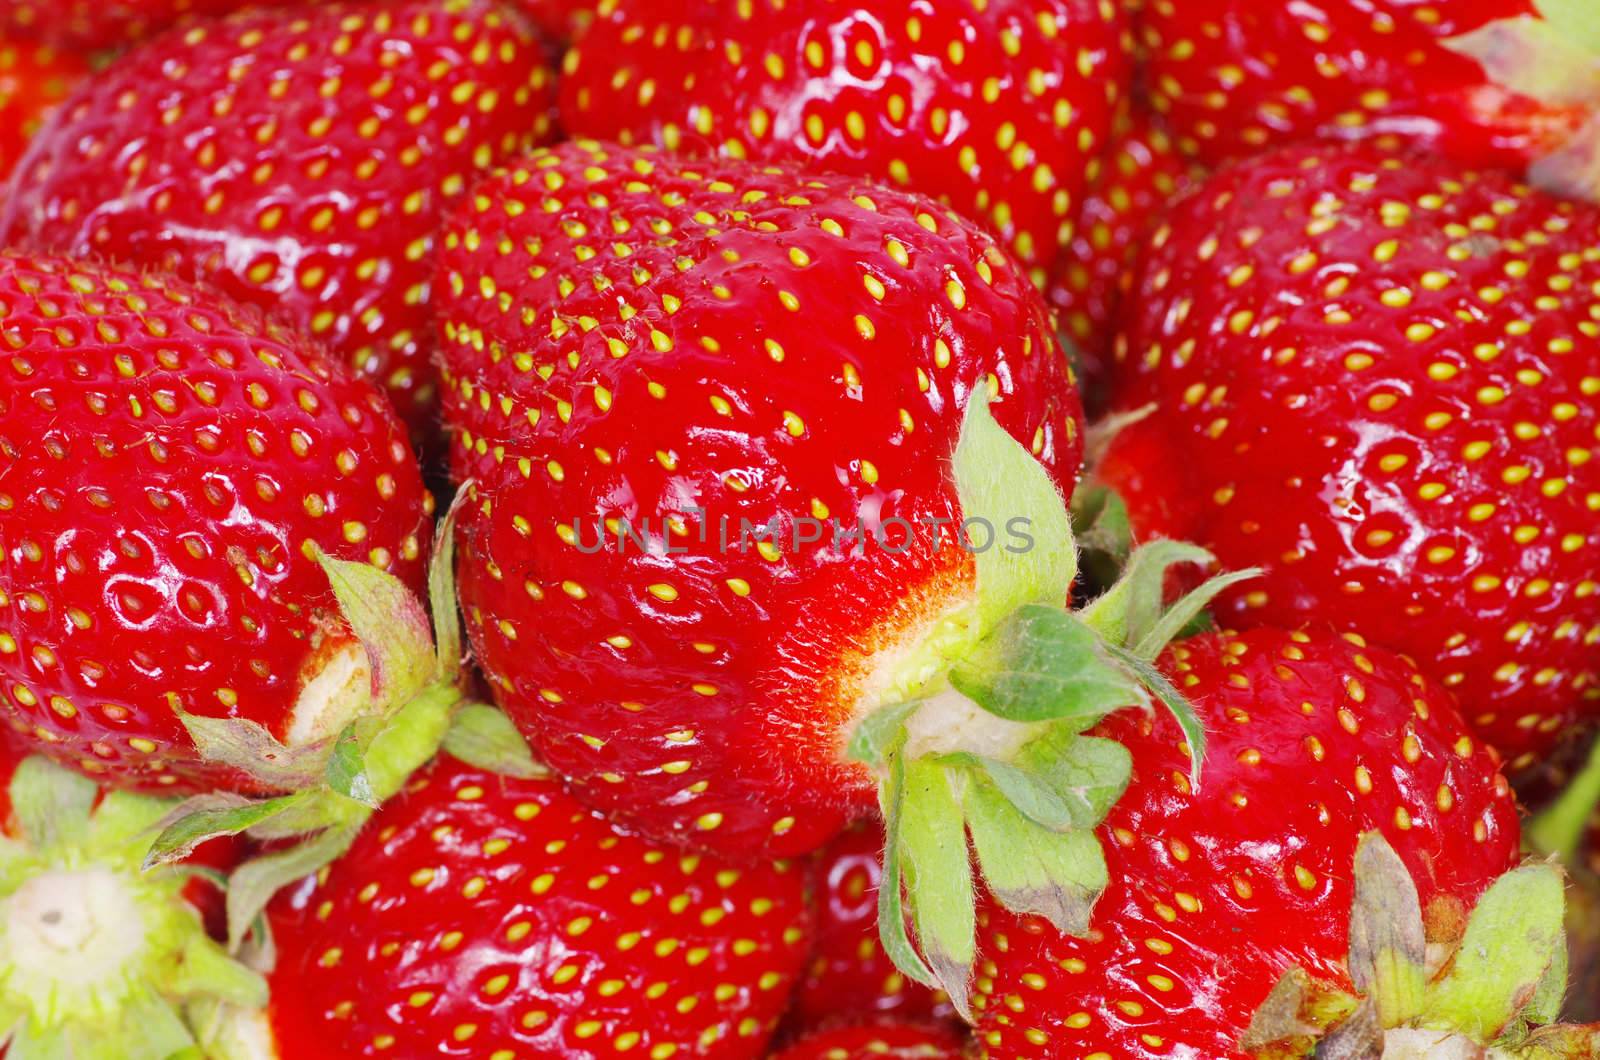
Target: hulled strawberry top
x,y
489,916
298,162
166,462
1236,77
1219,890
1376,375
698,356
998,108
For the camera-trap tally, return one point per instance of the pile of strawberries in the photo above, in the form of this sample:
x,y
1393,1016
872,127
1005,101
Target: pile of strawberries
x,y
1024,529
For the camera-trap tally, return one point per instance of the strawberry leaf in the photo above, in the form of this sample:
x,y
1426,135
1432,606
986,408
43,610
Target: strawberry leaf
x,y
1512,940
1043,664
482,736
1000,485
1388,947
938,875
1031,869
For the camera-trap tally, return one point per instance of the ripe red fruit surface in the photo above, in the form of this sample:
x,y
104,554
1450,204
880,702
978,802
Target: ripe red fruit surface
x,y
298,163
996,108
632,335
1217,891
165,459
1374,374
561,20
850,975
1140,170
499,915
1237,77
34,79
888,1041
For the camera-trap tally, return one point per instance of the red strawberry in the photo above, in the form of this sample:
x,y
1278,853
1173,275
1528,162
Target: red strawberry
x,y
878,1041
1140,171
88,25
1376,374
996,108
758,346
744,541
34,79
1499,81
495,916
850,974
166,462
1216,892
300,163
101,958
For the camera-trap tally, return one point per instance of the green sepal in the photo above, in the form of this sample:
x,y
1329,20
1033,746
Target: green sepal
x,y
248,747
391,624
1089,773
408,739
892,929
52,804
442,588
1043,664
881,734
1388,945
1512,939
255,882
999,481
937,867
1557,64
1031,869
1576,20
1156,683
1103,532
213,816
347,765
1126,612
1559,828
484,738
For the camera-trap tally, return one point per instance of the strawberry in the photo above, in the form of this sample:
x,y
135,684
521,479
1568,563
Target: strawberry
x,y
1216,892
715,417
85,25
34,79
169,464
995,108
850,974
1140,171
878,1041
562,20
299,163
1375,373
1484,81
496,914
101,958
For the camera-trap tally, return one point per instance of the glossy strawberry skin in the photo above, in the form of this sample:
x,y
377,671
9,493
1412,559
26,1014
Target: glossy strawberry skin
x,y
1237,77
850,975
1139,173
34,80
997,108
1216,891
1373,374
878,1041
301,164
489,913
164,459
87,25
724,350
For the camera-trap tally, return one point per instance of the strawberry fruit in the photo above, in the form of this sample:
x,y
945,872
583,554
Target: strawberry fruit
x,y
878,1041
995,108
85,25
1377,373
677,388
1217,891
497,914
298,162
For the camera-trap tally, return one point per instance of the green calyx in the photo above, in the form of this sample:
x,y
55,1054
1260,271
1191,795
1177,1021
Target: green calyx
x,y
99,959
1553,58
980,740
1491,995
331,786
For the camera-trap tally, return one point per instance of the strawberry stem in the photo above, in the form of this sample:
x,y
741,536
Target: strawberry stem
x,y
1559,828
